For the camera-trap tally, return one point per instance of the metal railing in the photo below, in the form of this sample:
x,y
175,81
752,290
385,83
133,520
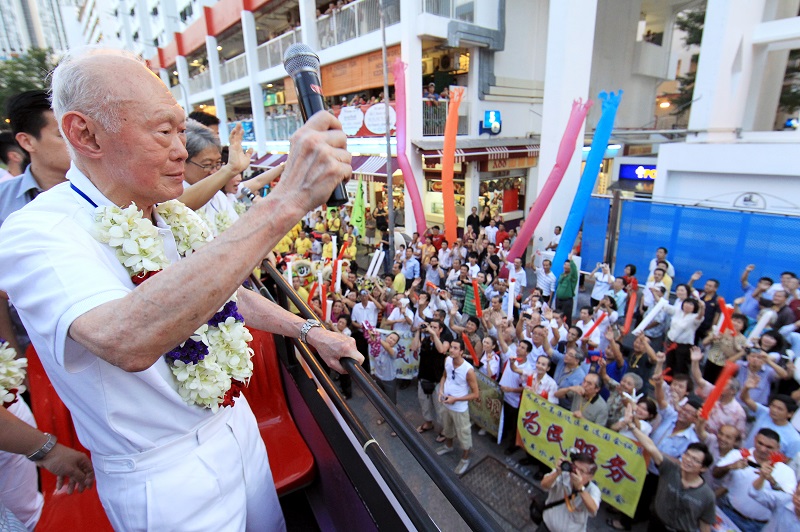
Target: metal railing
x,y
434,117
455,9
465,503
233,69
200,82
354,20
270,53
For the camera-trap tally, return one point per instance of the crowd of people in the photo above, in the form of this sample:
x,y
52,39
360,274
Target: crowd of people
x,y
650,385
643,369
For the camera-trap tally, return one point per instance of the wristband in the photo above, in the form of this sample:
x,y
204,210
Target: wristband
x,y
44,449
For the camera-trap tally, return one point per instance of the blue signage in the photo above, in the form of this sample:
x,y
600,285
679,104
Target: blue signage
x,y
637,172
490,118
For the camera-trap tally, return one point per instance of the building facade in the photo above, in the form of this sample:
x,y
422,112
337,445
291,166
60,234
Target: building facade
x,y
524,61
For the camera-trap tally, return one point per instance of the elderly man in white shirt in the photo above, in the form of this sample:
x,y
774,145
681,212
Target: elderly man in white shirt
x,y
163,458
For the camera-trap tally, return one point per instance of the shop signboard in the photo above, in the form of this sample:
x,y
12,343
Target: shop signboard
x,y
495,165
637,172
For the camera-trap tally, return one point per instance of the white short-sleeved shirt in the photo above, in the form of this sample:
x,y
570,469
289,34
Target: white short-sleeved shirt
x,y
402,326
54,271
360,313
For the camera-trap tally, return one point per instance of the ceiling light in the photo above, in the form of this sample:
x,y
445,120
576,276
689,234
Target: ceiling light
x,y
219,48
664,105
269,85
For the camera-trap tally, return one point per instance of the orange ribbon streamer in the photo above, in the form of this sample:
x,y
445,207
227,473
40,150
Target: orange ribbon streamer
x,y
477,292
629,314
727,372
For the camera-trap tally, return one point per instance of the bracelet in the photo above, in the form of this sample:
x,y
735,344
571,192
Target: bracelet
x,y
44,449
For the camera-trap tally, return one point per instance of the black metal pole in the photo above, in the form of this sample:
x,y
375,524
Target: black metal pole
x,y
467,505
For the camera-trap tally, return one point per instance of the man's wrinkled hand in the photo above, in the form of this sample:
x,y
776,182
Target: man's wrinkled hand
x,y
318,162
333,346
70,465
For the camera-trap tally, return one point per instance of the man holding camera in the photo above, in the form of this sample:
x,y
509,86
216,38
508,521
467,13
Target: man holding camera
x,y
434,344
570,482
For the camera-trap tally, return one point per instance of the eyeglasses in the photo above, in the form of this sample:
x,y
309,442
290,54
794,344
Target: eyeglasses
x,y
454,375
207,168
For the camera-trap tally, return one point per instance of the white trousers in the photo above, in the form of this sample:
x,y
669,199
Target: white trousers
x,y
19,490
215,478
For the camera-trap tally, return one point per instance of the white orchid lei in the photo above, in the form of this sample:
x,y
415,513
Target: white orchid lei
x,y
12,374
214,364
223,221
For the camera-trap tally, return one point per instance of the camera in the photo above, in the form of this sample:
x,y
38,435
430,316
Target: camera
x,y
566,467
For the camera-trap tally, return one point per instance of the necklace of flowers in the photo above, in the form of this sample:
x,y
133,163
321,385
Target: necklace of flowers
x,y
12,374
213,365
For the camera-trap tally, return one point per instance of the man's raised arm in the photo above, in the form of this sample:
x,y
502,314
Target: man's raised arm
x,y
170,306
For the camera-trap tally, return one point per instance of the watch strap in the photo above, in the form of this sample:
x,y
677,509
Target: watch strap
x,y
44,449
306,328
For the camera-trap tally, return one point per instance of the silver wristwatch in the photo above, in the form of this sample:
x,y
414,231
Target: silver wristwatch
x,y
307,326
44,449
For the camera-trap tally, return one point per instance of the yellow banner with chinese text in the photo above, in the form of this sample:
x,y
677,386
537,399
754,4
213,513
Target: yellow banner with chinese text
x,y
549,431
486,409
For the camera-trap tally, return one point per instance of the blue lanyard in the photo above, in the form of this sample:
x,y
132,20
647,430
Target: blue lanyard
x,y
83,195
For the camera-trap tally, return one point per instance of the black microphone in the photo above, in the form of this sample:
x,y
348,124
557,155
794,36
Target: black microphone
x,y
302,65
246,192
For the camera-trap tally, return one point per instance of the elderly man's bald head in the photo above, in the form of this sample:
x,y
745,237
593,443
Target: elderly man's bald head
x,y
96,82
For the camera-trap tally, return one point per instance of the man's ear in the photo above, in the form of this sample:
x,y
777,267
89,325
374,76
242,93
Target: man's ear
x,y
15,156
80,132
26,142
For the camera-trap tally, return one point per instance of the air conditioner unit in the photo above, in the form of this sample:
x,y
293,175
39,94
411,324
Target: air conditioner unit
x,y
450,62
427,66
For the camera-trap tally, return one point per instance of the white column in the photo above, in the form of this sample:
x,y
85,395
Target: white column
x,y
725,70
169,14
769,69
256,92
163,73
146,33
183,78
411,54
570,43
216,86
308,22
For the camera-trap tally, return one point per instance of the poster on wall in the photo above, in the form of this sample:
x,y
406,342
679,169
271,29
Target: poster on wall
x,y
351,118
375,118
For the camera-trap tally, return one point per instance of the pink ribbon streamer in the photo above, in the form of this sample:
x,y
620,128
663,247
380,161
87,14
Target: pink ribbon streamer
x,y
399,70
565,151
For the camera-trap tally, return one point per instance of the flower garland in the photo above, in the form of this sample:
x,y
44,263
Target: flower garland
x,y
12,374
222,220
214,363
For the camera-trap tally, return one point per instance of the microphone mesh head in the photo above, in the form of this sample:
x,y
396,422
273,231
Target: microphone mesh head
x,y
299,57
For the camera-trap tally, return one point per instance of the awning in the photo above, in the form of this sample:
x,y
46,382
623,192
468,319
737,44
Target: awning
x,y
487,153
270,160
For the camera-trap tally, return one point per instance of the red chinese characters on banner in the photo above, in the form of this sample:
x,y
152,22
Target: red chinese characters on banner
x,y
616,469
587,448
555,434
530,423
